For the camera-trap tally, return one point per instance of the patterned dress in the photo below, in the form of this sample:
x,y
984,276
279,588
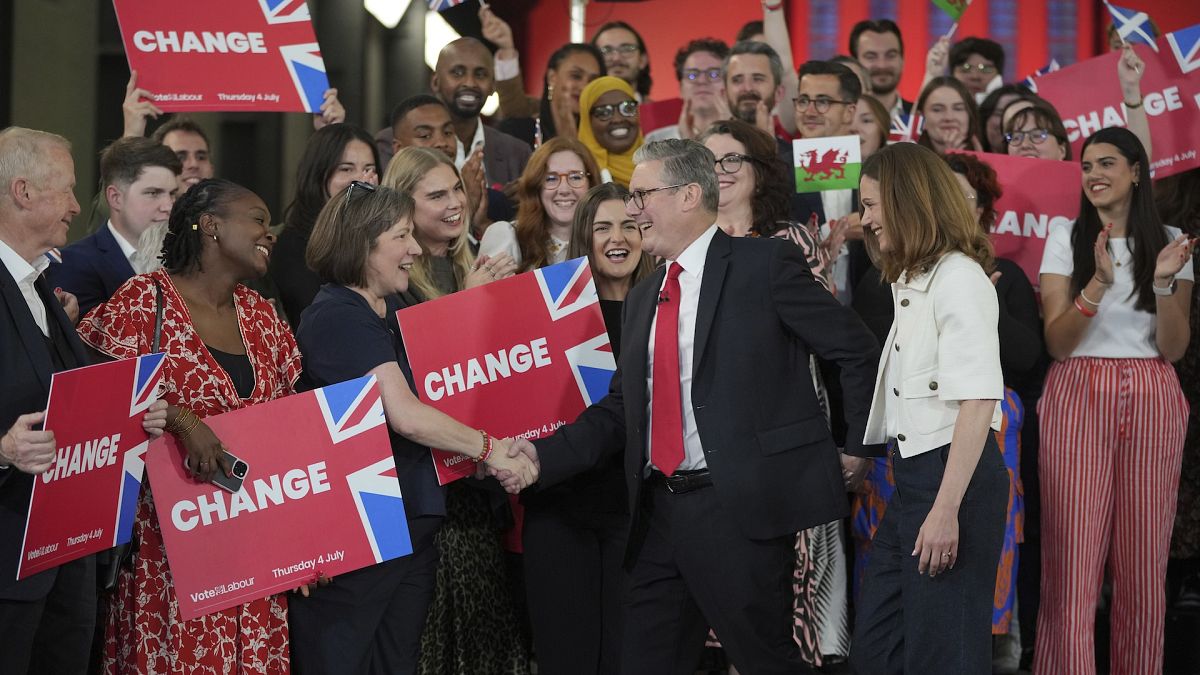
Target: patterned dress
x,y
143,631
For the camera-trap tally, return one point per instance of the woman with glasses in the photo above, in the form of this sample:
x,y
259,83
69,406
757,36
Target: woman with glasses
x,y
226,349
978,63
754,203
1116,296
549,190
610,128
950,115
1037,132
926,600
334,156
575,532
371,620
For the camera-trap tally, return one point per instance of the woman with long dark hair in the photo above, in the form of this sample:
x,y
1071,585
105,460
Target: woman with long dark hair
x,y
334,156
1116,289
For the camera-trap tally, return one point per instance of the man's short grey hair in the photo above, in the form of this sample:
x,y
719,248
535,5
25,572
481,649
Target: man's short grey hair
x,y
23,154
755,47
685,161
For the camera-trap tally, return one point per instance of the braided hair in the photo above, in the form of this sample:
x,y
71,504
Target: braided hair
x,y
183,243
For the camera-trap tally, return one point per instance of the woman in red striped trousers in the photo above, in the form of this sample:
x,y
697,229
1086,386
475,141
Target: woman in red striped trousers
x,y
1115,291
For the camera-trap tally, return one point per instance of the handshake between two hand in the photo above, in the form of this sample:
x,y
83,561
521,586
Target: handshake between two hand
x,y
514,463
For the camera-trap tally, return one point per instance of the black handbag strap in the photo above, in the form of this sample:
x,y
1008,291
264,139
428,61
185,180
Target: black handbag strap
x,y
158,316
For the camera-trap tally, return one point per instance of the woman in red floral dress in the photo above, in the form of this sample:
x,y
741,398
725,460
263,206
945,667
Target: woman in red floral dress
x,y
226,349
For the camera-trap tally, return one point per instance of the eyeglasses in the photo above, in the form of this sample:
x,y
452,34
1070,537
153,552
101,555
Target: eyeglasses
x,y
821,103
359,185
638,197
575,179
626,48
984,68
605,112
732,162
710,74
1036,136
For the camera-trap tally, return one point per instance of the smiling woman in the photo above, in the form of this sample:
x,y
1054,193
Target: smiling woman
x,y
610,127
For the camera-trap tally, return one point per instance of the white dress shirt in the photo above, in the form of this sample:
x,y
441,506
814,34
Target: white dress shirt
x,y
128,250
692,261
838,204
461,152
25,274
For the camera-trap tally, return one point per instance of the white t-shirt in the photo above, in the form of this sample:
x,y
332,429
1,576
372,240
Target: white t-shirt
x,y
501,237
1119,330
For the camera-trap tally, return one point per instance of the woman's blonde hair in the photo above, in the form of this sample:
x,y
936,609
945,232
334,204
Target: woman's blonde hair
x,y
925,212
407,169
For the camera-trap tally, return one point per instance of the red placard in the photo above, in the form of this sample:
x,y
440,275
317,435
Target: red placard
x,y
227,55
517,357
1088,97
1039,195
96,415
659,114
319,462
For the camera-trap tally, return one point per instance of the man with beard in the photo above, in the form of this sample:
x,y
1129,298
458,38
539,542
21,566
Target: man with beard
x,y
463,79
753,75
139,179
879,48
625,56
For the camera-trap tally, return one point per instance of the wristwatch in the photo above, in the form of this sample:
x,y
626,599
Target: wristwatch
x,y
1165,291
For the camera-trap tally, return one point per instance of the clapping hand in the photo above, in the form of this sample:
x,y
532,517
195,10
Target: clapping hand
x,y
488,269
69,303
1173,257
1104,263
515,464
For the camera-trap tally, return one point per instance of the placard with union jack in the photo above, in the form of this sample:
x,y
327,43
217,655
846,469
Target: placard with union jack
x,y
518,357
225,55
319,462
85,501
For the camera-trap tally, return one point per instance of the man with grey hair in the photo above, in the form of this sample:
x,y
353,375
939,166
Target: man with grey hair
x,y
727,452
46,619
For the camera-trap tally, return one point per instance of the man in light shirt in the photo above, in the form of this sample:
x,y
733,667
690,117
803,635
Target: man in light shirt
x,y
139,179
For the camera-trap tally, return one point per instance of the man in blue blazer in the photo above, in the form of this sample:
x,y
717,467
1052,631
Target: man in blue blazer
x,y
139,180
727,452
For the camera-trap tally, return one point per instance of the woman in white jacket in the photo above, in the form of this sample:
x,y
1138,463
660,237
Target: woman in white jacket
x,y
926,601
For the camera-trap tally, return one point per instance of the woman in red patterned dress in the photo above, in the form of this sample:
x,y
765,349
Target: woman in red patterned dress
x,y
226,349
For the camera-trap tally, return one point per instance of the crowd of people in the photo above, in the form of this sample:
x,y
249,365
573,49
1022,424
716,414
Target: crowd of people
x,y
841,430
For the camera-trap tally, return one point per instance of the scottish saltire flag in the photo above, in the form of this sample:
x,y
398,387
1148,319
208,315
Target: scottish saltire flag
x,y
954,8
1185,45
1132,25
1031,81
905,128
827,163
443,5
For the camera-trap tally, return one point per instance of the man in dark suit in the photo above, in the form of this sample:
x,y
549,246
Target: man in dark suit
x,y
727,451
47,619
139,180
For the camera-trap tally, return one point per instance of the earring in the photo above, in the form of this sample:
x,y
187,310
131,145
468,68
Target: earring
x,y
550,92
214,236
195,226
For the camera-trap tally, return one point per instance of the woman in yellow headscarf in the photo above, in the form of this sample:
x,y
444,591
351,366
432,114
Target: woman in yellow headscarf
x,y
610,128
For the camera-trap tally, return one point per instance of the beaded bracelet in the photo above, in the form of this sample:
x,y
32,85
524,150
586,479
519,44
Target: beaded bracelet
x,y
487,448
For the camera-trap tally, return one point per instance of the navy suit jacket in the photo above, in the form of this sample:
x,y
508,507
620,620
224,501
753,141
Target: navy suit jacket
x,y
767,444
92,268
25,370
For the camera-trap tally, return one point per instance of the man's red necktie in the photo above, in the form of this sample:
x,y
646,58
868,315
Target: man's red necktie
x,y
666,428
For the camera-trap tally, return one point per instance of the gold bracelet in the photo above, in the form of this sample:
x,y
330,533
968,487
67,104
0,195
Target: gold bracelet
x,y
191,427
176,422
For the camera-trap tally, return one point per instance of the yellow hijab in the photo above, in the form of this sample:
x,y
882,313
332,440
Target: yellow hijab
x,y
620,166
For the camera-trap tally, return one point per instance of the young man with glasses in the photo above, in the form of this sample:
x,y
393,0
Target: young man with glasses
x,y
625,56
702,88
979,64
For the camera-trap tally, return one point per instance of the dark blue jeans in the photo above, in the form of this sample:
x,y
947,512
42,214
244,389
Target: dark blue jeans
x,y
908,622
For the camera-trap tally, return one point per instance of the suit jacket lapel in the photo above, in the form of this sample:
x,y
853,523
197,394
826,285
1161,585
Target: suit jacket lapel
x,y
634,352
715,265
113,255
55,312
27,328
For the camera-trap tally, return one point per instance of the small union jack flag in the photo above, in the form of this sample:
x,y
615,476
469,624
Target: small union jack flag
x,y
1133,26
443,5
906,128
1031,81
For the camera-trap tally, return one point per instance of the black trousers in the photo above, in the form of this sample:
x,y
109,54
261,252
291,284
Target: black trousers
x,y
53,634
574,582
695,569
370,620
908,622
